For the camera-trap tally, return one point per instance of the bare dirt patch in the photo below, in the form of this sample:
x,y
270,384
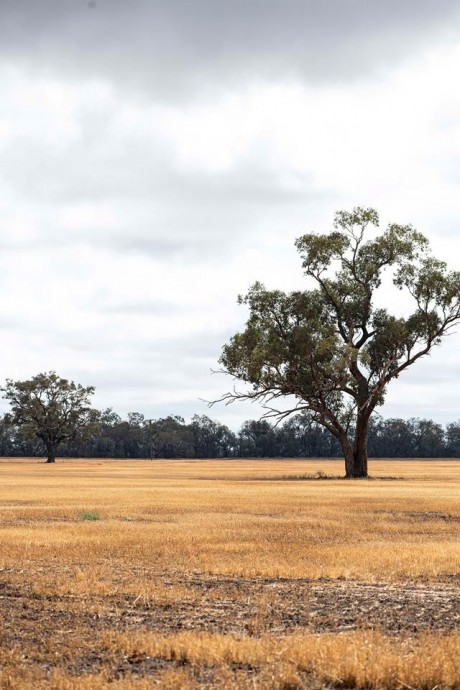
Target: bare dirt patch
x,y
63,631
238,606
323,606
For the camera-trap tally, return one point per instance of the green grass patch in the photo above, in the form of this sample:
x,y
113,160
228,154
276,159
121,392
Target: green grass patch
x,y
89,515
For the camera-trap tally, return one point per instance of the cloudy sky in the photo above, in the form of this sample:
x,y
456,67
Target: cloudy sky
x,y
158,156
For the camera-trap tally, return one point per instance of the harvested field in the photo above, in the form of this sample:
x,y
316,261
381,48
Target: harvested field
x,y
229,574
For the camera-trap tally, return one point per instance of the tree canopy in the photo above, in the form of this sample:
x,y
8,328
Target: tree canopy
x,y
50,408
330,349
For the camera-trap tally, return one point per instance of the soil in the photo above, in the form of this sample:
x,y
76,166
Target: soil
x,y
63,630
242,607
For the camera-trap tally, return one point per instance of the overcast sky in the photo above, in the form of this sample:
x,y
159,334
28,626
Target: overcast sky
x,y
159,156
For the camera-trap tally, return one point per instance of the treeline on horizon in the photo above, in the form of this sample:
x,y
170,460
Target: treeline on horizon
x,y
299,436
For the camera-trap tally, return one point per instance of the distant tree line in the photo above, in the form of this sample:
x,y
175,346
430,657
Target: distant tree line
x,y
171,437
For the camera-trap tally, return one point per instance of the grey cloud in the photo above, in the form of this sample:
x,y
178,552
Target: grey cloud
x,y
120,353
155,207
152,50
206,345
181,47
157,392
141,308
142,168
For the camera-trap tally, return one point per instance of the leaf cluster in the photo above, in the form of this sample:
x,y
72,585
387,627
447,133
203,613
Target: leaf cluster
x,y
49,407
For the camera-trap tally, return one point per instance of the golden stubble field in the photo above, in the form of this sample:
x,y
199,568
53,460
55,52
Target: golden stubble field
x,y
229,574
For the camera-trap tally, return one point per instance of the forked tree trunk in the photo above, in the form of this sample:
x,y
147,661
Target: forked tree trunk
x,y
356,456
355,463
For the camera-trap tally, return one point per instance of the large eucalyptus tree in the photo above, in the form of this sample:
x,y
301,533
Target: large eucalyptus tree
x,y
50,409
330,349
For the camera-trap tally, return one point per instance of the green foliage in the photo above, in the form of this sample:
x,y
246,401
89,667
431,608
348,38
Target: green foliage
x,y
50,408
330,348
90,516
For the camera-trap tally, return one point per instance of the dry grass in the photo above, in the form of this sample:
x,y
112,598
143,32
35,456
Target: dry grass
x,y
359,659
228,574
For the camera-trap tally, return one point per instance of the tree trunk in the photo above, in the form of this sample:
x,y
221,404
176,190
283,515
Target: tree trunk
x,y
359,463
348,455
360,447
51,450
356,457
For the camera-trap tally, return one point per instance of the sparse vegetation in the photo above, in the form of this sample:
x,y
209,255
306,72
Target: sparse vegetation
x,y
89,515
221,579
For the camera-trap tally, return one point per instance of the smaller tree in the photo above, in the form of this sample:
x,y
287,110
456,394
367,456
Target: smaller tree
x,y
50,408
